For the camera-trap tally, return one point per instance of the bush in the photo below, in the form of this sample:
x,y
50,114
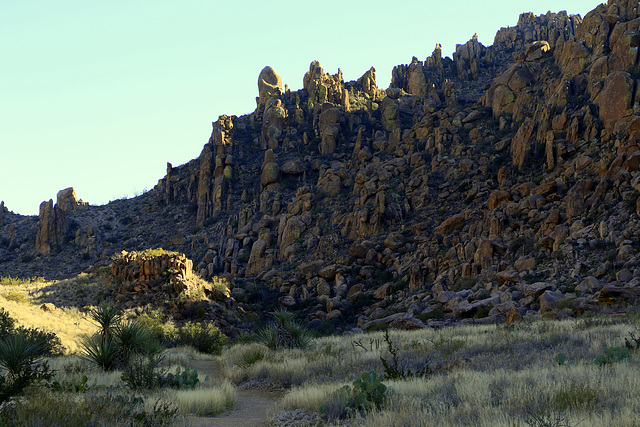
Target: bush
x,y
367,393
613,355
164,332
52,346
284,332
394,370
7,323
204,337
16,296
143,373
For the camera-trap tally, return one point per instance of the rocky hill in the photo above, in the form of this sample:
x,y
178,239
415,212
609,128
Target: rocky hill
x,y
500,182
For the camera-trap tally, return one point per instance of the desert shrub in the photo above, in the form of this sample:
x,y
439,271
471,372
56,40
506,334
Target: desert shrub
x,y
144,372
7,323
116,342
107,317
163,331
16,296
133,339
220,288
613,355
21,352
14,281
204,337
368,392
395,369
284,332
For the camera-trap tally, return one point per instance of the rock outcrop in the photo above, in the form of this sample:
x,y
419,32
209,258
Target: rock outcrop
x,y
155,275
498,184
50,227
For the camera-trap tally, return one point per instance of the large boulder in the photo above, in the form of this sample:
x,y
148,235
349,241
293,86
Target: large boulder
x,y
67,199
329,128
270,170
269,85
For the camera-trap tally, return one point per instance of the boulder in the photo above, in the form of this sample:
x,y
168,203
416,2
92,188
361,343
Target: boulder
x,y
67,199
292,167
547,299
614,295
450,224
269,85
534,290
536,50
496,198
270,170
383,291
407,324
48,307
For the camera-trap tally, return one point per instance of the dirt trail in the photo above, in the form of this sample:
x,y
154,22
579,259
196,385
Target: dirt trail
x,y
252,408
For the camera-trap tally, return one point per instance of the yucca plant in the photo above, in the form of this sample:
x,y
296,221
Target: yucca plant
x,y
101,350
18,353
284,332
132,338
107,317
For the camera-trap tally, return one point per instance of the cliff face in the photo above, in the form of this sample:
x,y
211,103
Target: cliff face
x,y
500,181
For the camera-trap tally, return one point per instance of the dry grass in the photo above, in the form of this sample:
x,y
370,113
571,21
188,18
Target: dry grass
x,y
481,375
68,323
204,401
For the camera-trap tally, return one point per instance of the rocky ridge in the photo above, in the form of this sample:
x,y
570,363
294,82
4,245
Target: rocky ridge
x,y
496,184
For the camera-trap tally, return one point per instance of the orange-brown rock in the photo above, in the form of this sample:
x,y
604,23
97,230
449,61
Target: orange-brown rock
x,y
496,198
450,224
614,295
50,227
616,97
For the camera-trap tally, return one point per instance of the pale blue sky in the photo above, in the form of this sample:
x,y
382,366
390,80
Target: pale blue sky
x,y
100,95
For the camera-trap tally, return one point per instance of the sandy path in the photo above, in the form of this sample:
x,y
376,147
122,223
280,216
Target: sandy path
x,y
252,408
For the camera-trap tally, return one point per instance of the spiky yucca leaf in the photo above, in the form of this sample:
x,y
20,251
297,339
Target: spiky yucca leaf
x,y
107,317
18,352
101,350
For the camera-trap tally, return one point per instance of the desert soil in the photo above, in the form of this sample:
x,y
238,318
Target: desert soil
x,y
253,407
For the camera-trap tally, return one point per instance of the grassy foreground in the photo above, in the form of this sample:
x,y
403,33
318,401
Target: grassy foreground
x,y
577,372
473,375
